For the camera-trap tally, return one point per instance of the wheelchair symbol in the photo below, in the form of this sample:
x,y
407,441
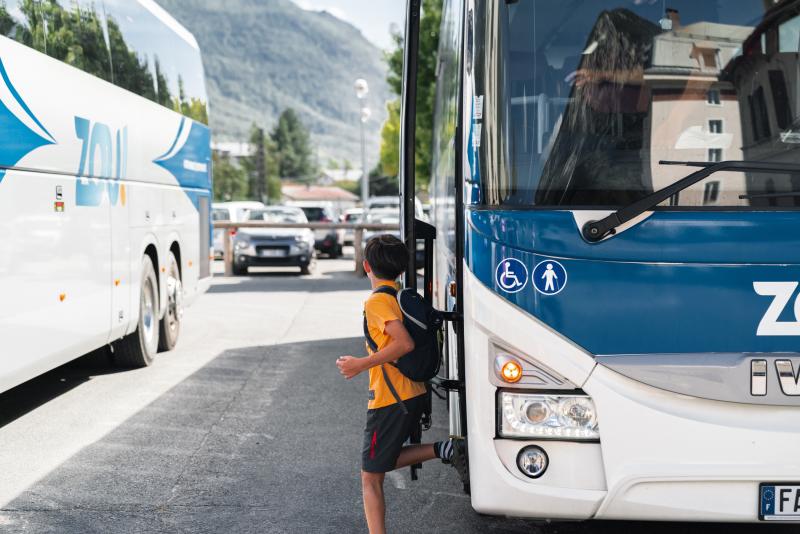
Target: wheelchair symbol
x,y
511,275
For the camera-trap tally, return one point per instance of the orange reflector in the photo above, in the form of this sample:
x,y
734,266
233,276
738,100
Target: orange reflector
x,y
62,296
511,371
190,263
116,282
163,269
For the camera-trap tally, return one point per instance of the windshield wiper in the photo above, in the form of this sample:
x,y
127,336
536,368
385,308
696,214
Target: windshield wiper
x,y
594,231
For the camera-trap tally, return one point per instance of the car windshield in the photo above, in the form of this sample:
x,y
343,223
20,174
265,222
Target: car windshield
x,y
315,214
220,214
576,102
353,217
278,216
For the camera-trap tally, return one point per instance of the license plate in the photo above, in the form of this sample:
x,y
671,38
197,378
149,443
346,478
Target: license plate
x,y
273,253
779,502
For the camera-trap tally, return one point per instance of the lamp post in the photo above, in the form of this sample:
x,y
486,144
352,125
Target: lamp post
x,y
362,89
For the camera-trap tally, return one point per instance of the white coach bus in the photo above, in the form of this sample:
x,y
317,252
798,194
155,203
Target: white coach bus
x,y
616,199
105,182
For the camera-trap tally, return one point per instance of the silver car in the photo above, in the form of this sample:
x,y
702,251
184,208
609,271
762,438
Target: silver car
x,y
274,247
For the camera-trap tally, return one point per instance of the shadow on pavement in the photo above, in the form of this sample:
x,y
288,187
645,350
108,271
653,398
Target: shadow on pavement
x,y
261,439
28,396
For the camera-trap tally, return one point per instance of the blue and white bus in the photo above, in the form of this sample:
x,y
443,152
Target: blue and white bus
x,y
105,181
616,202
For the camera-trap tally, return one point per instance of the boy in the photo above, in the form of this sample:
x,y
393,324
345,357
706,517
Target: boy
x,y
388,427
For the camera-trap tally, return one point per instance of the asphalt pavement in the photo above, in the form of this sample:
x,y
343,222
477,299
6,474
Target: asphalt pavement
x,y
246,427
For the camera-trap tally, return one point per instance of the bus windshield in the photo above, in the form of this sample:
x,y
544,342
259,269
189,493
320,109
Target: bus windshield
x,y
579,101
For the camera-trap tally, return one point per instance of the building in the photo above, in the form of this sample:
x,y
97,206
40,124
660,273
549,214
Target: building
x,y
694,114
335,198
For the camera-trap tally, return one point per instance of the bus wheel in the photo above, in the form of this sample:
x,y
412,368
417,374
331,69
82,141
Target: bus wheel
x,y
170,325
139,348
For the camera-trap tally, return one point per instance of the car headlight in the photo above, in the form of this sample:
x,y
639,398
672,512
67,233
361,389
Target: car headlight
x,y
242,242
562,417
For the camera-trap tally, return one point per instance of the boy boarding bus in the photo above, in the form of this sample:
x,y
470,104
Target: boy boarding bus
x,y
615,199
105,182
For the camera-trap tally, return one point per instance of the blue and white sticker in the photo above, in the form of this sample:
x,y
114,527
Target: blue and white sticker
x,y
511,275
549,277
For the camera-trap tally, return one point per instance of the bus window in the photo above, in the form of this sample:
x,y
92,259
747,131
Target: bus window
x,y
71,31
593,98
162,66
443,186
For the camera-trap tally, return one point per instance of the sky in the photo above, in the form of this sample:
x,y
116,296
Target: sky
x,y
372,17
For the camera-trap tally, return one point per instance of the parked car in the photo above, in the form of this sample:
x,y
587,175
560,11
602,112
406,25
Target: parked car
x,y
271,247
353,215
232,212
387,202
326,241
389,216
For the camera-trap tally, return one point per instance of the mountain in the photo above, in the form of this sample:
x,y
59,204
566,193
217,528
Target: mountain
x,y
262,56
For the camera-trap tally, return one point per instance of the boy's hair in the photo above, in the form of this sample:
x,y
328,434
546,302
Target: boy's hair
x,y
387,256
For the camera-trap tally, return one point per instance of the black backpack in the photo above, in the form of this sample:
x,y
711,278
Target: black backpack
x,y
424,324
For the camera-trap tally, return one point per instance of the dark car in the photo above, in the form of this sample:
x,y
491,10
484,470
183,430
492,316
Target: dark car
x,y
274,247
326,241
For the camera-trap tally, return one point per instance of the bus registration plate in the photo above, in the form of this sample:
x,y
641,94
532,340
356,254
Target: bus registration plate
x,y
779,502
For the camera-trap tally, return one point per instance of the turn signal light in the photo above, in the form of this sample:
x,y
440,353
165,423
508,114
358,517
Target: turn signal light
x,y
511,371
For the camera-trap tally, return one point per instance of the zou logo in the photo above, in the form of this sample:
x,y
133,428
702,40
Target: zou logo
x,y
782,293
103,163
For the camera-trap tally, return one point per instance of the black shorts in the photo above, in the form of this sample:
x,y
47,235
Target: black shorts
x,y
387,430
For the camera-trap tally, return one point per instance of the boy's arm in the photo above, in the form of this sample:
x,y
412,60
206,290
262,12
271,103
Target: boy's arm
x,y
400,344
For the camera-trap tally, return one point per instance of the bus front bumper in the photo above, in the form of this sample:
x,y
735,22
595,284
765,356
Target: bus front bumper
x,y
661,455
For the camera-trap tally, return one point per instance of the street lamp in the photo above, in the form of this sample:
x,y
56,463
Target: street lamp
x,y
362,89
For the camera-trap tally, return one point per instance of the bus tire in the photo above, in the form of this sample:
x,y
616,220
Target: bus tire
x,y
170,325
139,348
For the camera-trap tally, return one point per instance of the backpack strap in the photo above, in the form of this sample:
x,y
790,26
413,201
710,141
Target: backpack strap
x,y
374,347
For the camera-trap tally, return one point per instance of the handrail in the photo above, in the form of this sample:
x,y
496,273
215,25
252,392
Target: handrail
x,y
358,239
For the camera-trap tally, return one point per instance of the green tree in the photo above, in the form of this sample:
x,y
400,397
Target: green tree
x,y
261,168
293,146
426,87
230,181
390,141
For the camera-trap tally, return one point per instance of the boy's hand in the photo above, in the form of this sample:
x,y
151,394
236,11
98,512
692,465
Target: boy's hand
x,y
350,366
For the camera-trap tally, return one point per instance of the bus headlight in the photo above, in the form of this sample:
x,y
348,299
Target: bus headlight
x,y
562,417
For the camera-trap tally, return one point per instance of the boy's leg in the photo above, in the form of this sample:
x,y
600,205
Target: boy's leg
x,y
374,504
415,454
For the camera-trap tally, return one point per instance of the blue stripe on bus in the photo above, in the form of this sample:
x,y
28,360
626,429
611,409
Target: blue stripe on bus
x,y
680,282
191,164
19,140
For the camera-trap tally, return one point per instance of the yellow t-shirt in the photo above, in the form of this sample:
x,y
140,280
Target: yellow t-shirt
x,y
380,309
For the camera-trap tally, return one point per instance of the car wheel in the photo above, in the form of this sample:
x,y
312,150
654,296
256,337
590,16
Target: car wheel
x,y
139,348
170,326
239,270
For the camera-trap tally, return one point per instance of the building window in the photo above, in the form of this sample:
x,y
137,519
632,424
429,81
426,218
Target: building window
x,y
714,155
712,97
709,60
715,126
711,193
